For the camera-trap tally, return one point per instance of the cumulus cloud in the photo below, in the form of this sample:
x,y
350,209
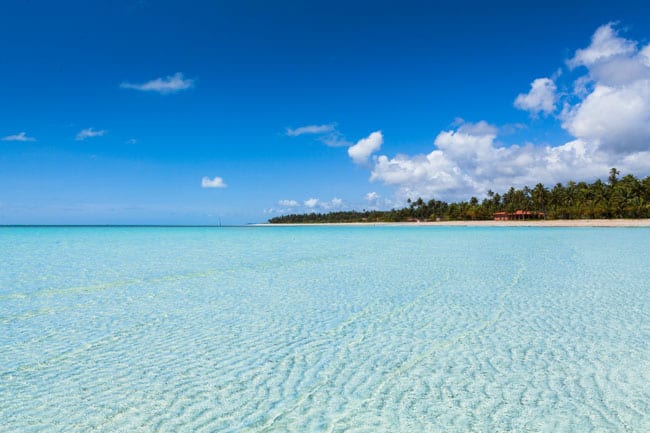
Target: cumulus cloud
x,y
311,203
615,118
310,129
436,172
471,163
540,99
89,133
614,111
335,203
21,136
644,55
608,116
374,201
605,44
371,197
465,164
215,182
365,147
170,84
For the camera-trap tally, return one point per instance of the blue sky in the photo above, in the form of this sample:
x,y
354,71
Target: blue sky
x,y
161,112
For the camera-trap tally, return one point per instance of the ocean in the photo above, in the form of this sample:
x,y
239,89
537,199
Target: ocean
x,y
324,329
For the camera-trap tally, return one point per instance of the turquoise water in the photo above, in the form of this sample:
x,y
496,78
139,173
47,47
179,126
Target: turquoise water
x,y
324,329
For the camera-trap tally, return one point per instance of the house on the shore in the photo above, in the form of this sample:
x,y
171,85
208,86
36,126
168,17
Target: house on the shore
x,y
519,215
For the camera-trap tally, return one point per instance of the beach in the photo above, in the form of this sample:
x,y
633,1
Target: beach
x,y
492,223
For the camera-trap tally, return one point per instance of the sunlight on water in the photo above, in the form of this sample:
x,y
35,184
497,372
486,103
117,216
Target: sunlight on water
x,y
324,329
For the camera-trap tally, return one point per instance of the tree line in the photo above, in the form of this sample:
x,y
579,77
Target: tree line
x,y
626,197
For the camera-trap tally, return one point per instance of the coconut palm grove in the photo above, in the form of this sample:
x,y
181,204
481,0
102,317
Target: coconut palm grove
x,y
618,197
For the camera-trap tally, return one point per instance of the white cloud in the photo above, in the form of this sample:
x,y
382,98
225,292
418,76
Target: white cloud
x,y
608,116
131,141
644,55
582,86
466,164
326,134
335,203
374,201
89,133
540,99
361,151
21,136
617,119
310,129
478,128
334,139
619,71
637,162
424,175
612,60
215,182
170,84
371,197
605,44
614,111
311,203
471,143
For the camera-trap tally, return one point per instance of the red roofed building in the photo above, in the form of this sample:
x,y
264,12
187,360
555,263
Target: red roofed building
x,y
518,215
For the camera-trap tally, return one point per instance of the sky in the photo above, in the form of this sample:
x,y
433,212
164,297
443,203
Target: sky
x,y
208,112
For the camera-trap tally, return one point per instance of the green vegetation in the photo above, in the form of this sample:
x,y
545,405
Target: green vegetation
x,y
626,197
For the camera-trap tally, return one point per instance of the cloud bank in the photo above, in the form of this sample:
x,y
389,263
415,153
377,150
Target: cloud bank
x,y
311,204
608,116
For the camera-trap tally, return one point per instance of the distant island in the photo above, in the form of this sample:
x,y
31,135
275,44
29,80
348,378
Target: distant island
x,y
626,197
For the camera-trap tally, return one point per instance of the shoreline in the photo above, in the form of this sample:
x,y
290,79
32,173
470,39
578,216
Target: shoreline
x,y
484,223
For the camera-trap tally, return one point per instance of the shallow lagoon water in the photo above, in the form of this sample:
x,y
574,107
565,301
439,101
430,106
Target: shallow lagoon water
x,y
324,329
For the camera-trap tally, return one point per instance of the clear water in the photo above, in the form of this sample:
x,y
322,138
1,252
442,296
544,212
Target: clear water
x,y
322,329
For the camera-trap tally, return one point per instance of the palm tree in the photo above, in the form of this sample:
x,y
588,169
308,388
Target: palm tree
x,y
613,173
557,200
539,195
